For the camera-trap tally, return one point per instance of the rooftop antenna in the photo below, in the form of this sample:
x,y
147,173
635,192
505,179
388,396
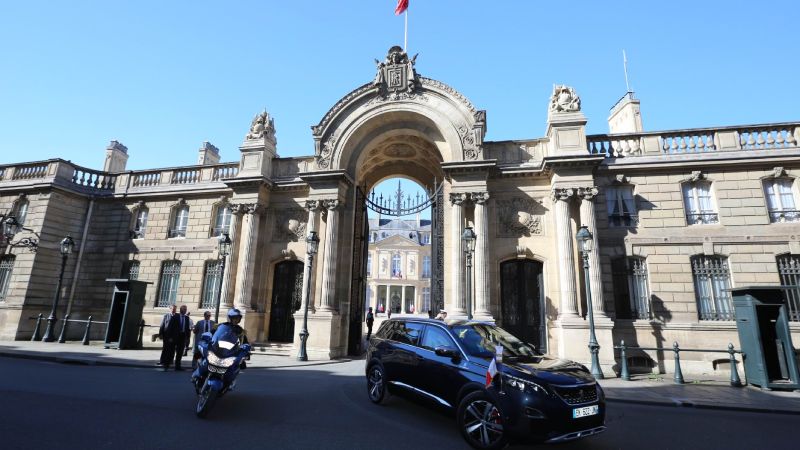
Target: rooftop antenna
x,y
625,66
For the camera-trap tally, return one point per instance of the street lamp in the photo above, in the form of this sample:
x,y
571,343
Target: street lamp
x,y
468,245
66,246
312,242
224,251
11,227
585,244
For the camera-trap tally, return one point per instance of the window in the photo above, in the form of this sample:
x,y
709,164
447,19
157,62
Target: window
x,y
369,265
621,206
6,266
374,237
407,333
140,225
211,284
789,270
180,222
631,288
21,212
222,223
712,281
168,289
780,200
426,299
426,267
425,237
130,270
698,203
396,270
436,337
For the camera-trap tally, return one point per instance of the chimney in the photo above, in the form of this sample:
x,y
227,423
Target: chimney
x,y
625,116
116,157
208,154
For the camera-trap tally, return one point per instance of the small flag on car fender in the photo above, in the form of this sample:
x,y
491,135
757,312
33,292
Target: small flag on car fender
x,y
491,372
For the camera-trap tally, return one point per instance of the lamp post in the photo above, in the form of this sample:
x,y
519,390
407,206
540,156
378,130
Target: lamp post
x,y
224,251
468,245
312,243
66,246
585,243
11,227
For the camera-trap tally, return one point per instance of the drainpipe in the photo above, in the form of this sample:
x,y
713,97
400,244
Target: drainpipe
x,y
80,256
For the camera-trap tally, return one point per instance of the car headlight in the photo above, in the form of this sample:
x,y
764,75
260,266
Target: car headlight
x,y
221,362
524,385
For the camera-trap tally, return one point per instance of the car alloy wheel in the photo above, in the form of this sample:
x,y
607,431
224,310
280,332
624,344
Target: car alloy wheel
x,y
481,422
376,386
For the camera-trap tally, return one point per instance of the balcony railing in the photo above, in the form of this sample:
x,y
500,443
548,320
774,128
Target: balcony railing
x,y
784,216
702,218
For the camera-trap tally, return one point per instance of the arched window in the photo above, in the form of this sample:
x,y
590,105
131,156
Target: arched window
x,y
222,221
180,221
780,200
698,203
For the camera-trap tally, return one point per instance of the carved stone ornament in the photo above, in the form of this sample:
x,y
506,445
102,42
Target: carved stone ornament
x,y
519,216
563,194
621,179
457,198
290,225
331,204
326,152
695,177
471,150
251,208
263,126
396,74
312,205
588,193
479,197
564,99
778,172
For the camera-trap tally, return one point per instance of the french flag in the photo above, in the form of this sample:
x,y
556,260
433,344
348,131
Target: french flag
x,y
402,6
491,372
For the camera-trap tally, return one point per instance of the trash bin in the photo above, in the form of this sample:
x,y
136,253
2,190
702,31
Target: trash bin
x,y
762,322
127,304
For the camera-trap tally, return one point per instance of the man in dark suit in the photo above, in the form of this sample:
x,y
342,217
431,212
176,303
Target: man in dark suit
x,y
176,337
162,334
202,326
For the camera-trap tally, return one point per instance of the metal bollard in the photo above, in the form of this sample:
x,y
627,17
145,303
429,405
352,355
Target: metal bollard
x,y
36,331
678,374
88,330
63,336
735,381
624,374
141,335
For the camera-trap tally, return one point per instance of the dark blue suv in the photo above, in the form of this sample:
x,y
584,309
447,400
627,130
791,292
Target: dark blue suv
x,y
532,397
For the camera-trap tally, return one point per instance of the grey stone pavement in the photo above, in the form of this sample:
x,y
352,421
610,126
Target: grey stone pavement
x,y
699,391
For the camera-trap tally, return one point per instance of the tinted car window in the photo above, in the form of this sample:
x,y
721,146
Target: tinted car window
x,y
407,332
480,340
385,330
436,337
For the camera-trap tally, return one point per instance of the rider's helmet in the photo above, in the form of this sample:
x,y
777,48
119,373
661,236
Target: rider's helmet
x,y
234,316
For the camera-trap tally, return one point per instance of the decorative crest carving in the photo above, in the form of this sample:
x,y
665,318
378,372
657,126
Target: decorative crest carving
x,y
457,198
695,177
778,172
564,99
621,179
396,74
290,225
324,158
519,216
263,126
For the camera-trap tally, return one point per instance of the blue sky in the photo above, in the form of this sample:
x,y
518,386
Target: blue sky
x,y
162,77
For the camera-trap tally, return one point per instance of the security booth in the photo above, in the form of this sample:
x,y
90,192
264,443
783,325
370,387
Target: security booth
x,y
127,304
763,325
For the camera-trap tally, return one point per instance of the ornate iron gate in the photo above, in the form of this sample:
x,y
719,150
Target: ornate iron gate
x,y
437,249
358,285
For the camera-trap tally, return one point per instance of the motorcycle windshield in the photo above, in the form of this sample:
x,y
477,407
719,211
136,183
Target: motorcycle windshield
x,y
225,342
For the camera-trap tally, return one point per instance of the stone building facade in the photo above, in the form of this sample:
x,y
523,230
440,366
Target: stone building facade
x,y
678,217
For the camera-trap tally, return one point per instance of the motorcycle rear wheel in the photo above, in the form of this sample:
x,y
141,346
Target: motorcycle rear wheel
x,y
205,401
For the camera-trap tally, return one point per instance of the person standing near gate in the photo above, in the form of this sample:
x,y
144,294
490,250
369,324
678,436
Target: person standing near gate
x,y
370,321
176,336
162,334
202,326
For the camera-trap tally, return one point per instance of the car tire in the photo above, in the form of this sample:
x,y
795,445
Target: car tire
x,y
376,384
481,422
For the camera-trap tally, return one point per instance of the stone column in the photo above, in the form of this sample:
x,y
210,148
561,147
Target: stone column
x,y
329,270
403,298
246,269
456,269
230,264
566,254
481,255
587,196
312,206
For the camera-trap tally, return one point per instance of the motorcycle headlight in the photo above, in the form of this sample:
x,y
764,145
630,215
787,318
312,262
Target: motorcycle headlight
x,y
221,362
526,386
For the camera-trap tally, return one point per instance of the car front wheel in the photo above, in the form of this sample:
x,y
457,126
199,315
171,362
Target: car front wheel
x,y
376,384
481,422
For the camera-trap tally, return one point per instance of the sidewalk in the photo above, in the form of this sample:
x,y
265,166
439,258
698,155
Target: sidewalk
x,y
95,354
706,392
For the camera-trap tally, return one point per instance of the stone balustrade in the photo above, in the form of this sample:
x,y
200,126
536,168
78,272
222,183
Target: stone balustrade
x,y
94,179
290,167
699,140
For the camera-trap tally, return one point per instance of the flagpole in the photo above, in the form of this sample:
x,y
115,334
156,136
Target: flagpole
x,y
405,36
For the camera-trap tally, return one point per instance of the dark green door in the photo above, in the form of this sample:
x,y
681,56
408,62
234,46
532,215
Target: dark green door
x,y
286,298
522,301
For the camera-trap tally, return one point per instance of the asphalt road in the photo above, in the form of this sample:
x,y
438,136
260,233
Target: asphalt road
x,y
51,405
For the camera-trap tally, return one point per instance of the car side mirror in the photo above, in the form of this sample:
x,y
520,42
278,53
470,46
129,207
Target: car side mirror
x,y
447,352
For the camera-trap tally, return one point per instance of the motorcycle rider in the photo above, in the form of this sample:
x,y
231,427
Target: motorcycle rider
x,y
234,318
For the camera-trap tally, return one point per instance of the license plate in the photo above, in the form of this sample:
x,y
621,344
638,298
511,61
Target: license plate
x,y
585,411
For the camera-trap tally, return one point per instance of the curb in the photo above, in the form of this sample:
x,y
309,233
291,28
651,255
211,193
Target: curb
x,y
687,404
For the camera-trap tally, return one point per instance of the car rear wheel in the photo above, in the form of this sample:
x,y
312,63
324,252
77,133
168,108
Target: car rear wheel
x,y
376,384
481,422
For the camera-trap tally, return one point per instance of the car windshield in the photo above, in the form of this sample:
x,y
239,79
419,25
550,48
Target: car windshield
x,y
480,340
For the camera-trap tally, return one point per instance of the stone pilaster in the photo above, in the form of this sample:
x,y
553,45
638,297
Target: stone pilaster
x,y
329,270
566,254
246,269
482,310
459,307
229,277
312,206
587,196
